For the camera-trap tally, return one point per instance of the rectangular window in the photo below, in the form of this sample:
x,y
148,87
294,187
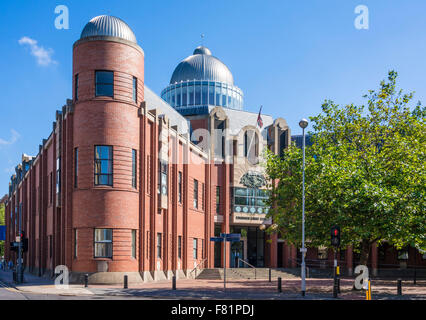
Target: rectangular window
x,y
163,178
202,196
103,243
76,87
180,187
58,175
75,243
104,83
195,251
180,247
76,167
103,165
218,199
134,244
51,187
159,245
135,89
148,174
134,168
195,194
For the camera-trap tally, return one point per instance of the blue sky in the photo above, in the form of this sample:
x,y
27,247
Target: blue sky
x,y
285,55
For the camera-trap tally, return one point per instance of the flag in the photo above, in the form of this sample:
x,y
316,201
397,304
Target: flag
x,y
259,119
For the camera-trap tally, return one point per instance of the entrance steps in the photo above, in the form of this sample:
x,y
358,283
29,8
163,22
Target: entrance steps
x,y
247,273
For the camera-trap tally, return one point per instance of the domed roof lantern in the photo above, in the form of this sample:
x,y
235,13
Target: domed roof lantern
x,y
202,50
109,26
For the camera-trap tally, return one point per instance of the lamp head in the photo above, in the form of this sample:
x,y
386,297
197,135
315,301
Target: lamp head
x,y
303,123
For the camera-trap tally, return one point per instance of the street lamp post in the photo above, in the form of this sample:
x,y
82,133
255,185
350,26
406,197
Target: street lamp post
x,y
303,124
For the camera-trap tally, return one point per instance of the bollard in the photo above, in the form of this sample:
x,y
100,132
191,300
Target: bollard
x,y
279,284
270,275
415,275
338,285
125,282
399,287
174,283
86,280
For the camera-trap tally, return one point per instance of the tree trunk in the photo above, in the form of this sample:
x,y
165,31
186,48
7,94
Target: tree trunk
x,y
365,252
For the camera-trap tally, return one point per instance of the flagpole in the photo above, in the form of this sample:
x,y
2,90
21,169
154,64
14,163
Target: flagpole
x,y
251,141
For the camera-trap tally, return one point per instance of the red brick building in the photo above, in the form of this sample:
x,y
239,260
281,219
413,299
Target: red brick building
x,y
131,183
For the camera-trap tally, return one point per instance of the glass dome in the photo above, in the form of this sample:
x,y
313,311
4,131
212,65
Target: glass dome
x,y
201,80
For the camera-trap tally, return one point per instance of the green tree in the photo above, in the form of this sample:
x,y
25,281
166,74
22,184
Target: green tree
x,y
364,172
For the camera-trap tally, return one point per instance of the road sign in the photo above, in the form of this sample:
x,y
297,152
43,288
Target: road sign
x,y
216,239
230,235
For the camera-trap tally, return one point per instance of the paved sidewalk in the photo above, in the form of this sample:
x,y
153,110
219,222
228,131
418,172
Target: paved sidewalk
x,y
318,289
41,285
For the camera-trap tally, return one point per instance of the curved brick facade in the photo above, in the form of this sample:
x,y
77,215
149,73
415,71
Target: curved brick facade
x,y
113,122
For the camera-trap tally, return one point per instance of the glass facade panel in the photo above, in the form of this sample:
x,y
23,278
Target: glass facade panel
x,y
184,95
204,93
197,94
211,94
190,95
224,97
178,96
218,94
172,96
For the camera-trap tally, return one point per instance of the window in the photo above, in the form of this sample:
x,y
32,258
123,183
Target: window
x,y
159,245
134,244
58,175
162,180
195,251
251,146
322,253
103,165
50,187
134,168
76,87
180,187
76,167
195,194
250,200
218,199
104,85
202,196
180,247
403,254
75,243
148,173
135,89
103,243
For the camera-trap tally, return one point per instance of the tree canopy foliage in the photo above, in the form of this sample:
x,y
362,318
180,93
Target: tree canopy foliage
x,y
365,172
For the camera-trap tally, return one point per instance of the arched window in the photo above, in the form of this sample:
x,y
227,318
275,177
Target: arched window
x,y
251,146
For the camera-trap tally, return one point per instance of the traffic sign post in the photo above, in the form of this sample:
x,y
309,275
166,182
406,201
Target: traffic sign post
x,y
224,237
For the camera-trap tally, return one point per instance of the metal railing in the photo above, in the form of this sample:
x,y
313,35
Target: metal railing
x,y
251,266
196,267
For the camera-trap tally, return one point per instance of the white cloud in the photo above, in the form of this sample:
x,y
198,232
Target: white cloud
x,y
15,136
43,56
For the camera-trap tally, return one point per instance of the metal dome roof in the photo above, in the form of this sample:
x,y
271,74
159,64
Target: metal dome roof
x,y
202,66
108,26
